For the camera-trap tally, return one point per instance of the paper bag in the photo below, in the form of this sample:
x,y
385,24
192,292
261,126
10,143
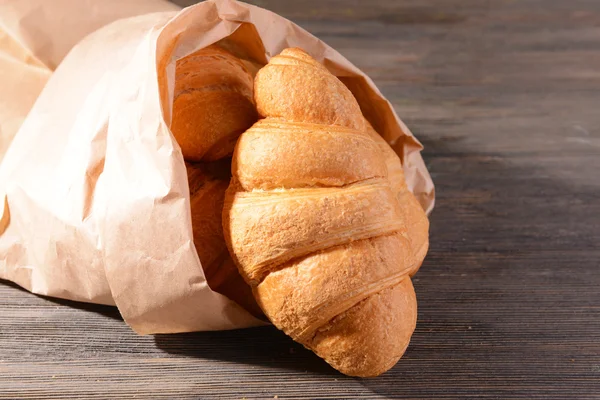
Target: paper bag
x,y
95,189
35,35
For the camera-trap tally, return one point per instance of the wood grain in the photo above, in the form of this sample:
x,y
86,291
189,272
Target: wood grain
x,y
504,95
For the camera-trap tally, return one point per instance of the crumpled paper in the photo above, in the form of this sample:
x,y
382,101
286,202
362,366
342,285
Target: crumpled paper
x,y
35,35
94,186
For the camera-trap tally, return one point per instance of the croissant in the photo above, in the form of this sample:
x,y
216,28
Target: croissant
x,y
212,104
321,223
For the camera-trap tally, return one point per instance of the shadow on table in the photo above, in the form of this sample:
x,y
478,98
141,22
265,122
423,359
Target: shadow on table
x,y
264,346
107,311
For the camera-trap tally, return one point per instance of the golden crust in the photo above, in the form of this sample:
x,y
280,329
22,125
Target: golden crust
x,y
370,337
294,87
267,229
332,282
315,224
264,160
213,103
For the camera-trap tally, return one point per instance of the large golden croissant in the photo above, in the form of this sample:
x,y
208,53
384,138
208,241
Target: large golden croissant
x,y
320,222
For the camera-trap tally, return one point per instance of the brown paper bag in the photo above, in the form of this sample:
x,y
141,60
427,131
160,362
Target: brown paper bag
x,y
22,78
35,35
95,187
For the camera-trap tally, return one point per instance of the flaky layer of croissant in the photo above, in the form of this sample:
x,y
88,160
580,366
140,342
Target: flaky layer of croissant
x,y
317,227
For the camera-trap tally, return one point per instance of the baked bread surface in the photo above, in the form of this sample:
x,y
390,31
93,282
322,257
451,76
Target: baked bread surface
x,y
213,103
320,222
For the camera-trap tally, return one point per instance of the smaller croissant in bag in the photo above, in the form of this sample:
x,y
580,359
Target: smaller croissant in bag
x,y
208,183
212,103
319,223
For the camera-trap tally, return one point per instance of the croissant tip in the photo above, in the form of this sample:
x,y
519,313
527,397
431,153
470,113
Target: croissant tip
x,y
295,52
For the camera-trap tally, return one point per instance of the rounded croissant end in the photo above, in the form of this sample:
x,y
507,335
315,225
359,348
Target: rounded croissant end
x,y
295,87
369,338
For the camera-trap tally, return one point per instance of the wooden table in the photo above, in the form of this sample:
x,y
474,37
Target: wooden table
x,y
505,96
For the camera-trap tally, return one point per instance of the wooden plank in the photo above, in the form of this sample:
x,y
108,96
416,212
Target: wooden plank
x,y
504,96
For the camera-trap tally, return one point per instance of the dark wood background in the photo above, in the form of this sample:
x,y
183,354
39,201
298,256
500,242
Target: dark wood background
x,y
505,96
